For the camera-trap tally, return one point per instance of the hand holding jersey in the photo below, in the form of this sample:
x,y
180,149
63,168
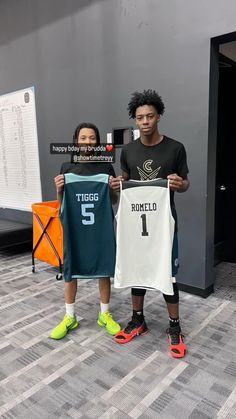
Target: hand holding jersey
x,y
177,183
114,183
59,183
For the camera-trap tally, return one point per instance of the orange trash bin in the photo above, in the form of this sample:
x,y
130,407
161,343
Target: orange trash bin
x,y
47,234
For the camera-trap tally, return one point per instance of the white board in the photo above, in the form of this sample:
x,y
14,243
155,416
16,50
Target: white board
x,y
20,183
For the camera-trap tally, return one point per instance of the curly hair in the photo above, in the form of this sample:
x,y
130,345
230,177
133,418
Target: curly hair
x,y
147,97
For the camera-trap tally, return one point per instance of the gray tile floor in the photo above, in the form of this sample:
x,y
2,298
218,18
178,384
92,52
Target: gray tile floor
x,y
88,375
225,286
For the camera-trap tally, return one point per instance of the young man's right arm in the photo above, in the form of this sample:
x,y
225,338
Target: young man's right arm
x,y
115,181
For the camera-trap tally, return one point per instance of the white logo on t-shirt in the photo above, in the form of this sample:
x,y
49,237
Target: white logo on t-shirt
x,y
146,173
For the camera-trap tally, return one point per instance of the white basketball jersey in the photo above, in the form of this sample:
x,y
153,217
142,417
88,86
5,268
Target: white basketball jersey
x,y
145,230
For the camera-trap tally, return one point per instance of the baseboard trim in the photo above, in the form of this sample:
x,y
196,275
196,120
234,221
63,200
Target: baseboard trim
x,y
196,291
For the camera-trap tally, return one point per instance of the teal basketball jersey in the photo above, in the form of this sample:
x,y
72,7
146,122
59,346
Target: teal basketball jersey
x,y
88,234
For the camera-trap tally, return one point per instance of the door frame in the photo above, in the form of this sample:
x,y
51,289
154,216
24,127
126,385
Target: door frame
x,y
212,146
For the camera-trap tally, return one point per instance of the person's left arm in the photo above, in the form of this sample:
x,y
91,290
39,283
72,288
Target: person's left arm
x,y
177,183
113,196
179,180
113,193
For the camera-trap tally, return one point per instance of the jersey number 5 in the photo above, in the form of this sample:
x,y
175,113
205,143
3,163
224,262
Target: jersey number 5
x,y
144,225
89,216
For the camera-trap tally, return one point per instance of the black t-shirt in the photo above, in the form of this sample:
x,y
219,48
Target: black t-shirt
x,y
143,162
86,169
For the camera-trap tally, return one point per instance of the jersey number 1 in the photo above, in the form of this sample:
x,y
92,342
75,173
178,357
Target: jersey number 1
x,y
144,225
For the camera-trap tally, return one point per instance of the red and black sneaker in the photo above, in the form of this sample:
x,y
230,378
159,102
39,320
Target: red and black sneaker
x,y
133,328
176,343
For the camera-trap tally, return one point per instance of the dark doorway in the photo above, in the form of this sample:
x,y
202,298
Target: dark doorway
x,y
225,217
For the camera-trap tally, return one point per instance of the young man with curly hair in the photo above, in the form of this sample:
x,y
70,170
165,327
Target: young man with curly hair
x,y
167,159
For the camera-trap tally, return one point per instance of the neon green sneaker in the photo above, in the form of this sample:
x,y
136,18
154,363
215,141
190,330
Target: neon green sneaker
x,y
106,320
61,330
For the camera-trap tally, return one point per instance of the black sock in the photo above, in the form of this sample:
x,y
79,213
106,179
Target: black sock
x,y
138,315
174,323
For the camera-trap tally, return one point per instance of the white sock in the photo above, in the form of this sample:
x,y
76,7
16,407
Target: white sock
x,y
104,307
70,309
